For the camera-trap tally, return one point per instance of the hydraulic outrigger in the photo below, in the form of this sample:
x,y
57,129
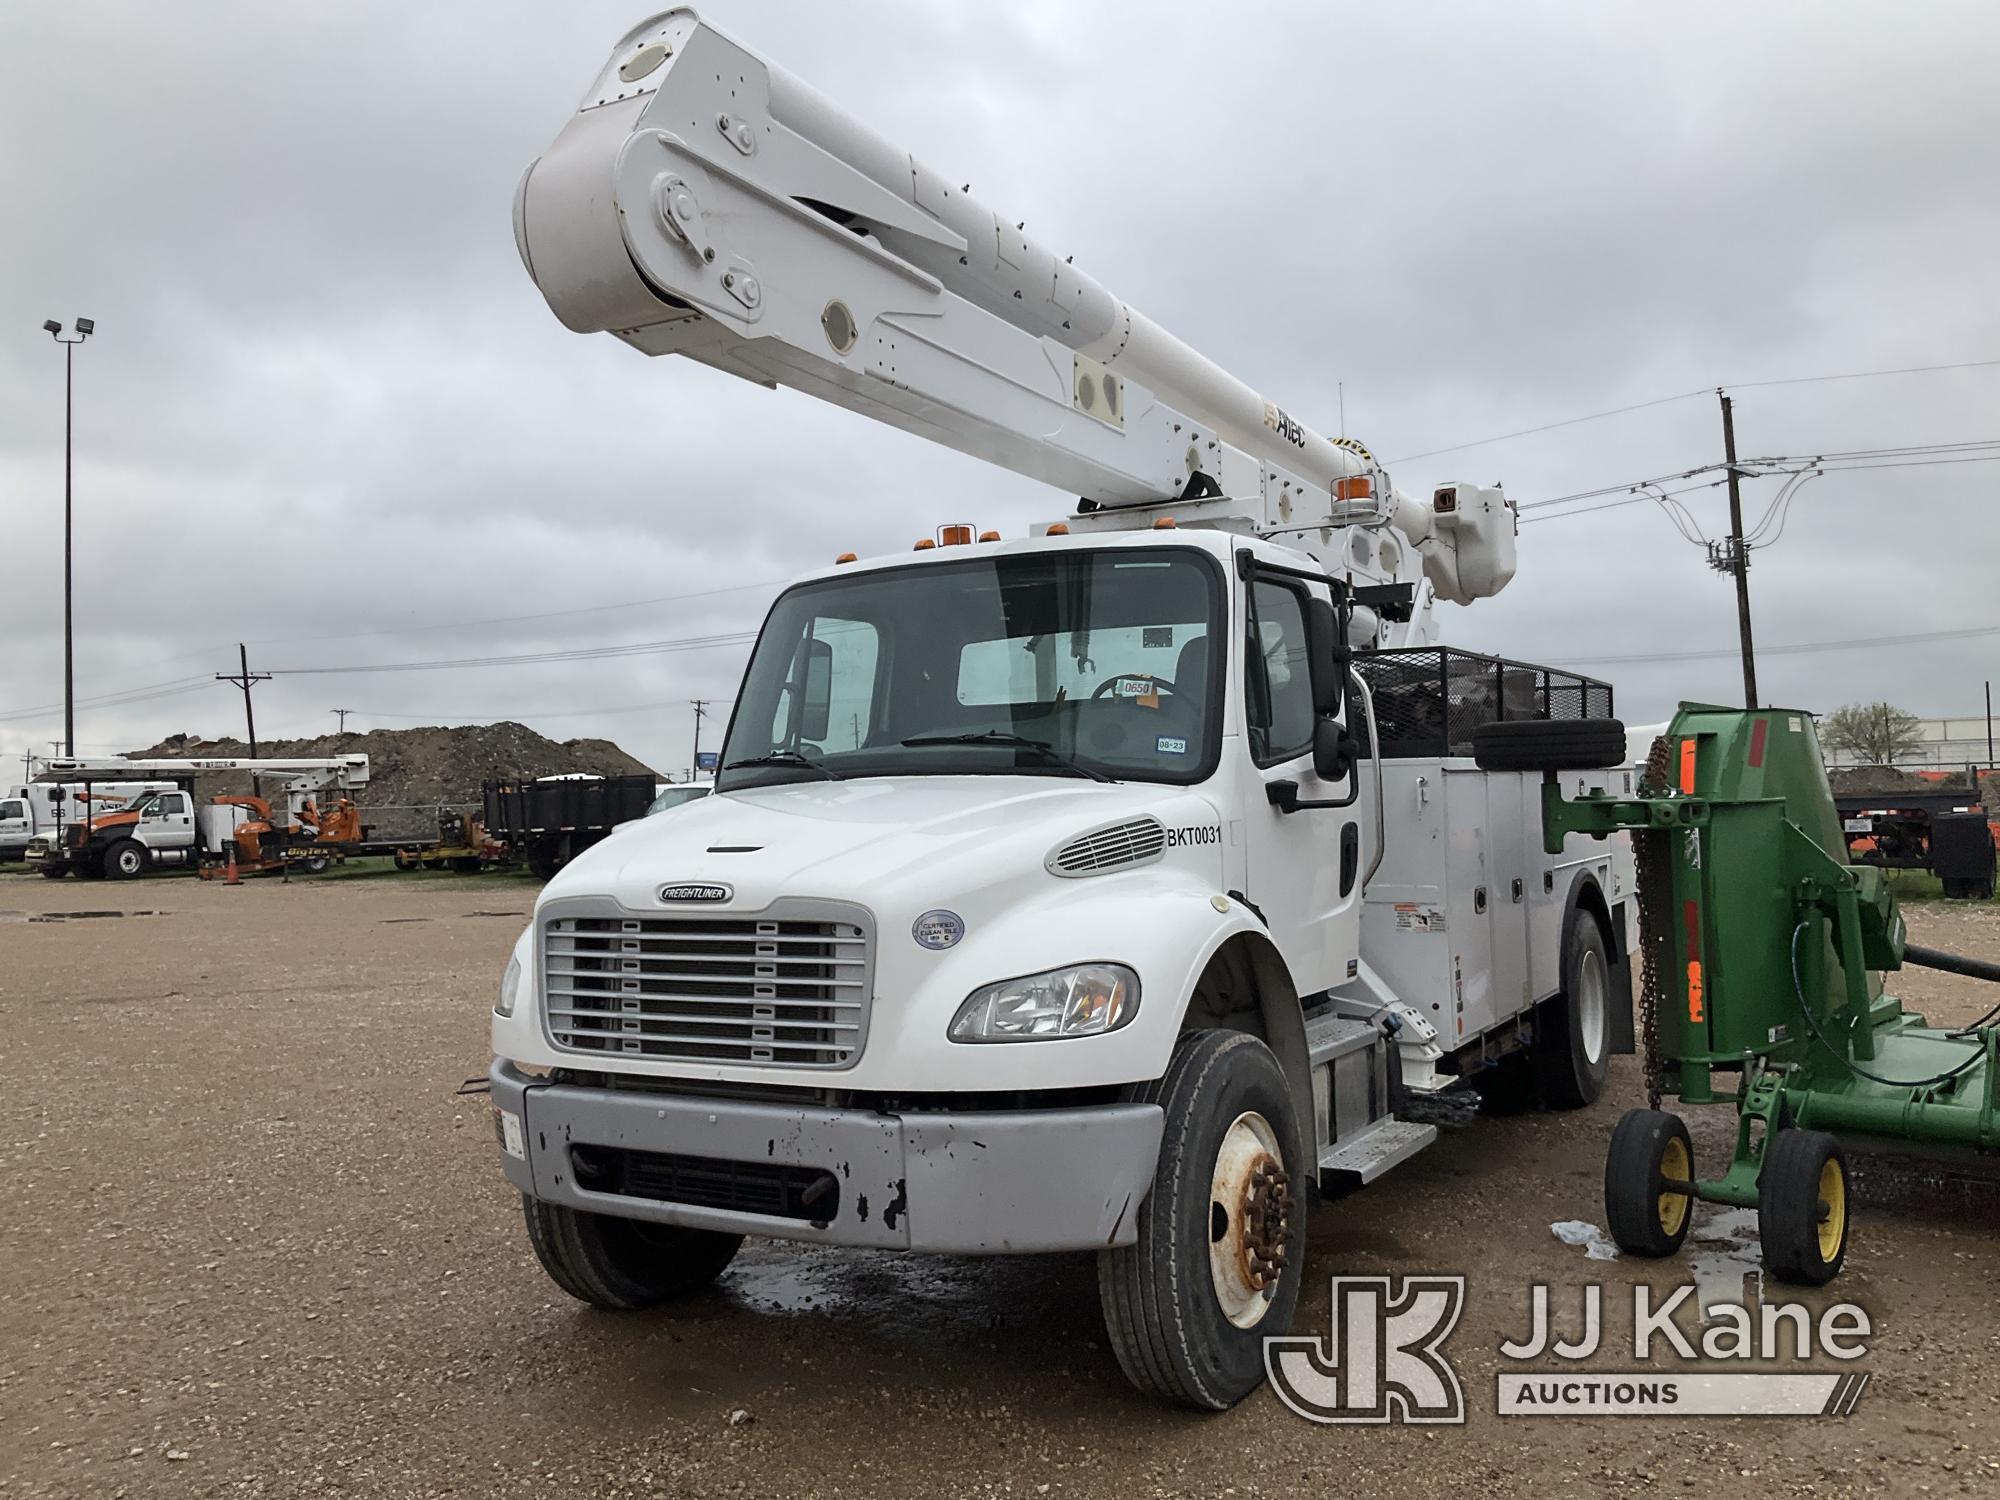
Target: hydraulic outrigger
x,y
1762,951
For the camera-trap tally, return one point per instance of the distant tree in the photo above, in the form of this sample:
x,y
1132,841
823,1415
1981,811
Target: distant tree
x,y
1877,734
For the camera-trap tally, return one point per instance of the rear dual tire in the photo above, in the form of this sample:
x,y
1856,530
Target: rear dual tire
x,y
1572,1048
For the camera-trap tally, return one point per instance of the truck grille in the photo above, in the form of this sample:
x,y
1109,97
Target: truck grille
x,y
773,990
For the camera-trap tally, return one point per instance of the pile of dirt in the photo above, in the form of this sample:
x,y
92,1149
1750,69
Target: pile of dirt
x,y
415,773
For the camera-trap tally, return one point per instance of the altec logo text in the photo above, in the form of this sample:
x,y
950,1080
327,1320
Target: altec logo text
x,y
1385,1361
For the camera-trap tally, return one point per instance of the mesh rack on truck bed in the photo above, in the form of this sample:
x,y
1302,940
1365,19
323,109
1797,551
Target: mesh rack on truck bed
x,y
1430,699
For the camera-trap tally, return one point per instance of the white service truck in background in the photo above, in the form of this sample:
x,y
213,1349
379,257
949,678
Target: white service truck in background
x,y
166,826
37,808
1122,887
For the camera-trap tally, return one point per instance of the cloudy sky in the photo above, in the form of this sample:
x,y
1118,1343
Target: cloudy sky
x,y
326,413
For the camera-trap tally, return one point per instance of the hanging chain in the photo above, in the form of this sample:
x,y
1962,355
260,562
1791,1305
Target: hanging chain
x,y
1656,883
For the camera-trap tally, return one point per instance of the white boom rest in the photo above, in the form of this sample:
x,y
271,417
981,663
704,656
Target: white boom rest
x,y
704,202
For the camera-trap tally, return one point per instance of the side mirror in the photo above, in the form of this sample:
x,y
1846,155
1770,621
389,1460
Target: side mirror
x,y
1328,658
1334,750
816,701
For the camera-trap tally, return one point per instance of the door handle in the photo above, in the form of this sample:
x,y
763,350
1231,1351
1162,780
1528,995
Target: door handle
x,y
1517,889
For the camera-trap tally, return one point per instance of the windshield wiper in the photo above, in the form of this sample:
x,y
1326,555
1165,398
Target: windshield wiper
x,y
783,757
1018,741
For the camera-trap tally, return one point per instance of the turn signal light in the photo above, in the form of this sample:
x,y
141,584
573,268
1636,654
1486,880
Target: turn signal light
x,y
845,557
1058,528
989,536
1165,523
924,544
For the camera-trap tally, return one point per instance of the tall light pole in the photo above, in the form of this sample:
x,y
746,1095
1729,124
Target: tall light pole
x,y
85,327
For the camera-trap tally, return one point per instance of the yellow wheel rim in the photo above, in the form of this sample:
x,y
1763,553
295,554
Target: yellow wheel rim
x,y
1833,1193
1673,1207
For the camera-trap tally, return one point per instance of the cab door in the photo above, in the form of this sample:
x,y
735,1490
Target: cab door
x,y
1302,867
169,822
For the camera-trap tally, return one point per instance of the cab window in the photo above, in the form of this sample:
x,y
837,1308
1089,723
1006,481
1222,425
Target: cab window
x,y
1278,678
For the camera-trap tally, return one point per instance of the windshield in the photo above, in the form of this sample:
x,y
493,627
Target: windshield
x,y
1047,664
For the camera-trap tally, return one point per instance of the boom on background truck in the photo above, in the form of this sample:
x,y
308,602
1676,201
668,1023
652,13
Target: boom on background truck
x,y
169,828
1118,888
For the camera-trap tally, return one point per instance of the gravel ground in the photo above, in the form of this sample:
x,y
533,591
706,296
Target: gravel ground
x,y
254,1245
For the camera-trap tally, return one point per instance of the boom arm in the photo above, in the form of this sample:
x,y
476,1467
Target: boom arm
x,y
704,202
304,775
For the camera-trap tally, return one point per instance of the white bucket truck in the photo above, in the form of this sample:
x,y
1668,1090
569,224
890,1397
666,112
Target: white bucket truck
x,y
1118,888
39,809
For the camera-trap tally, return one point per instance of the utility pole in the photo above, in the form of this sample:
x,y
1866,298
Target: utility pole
x,y
1989,723
85,327
343,712
700,713
246,679
1738,555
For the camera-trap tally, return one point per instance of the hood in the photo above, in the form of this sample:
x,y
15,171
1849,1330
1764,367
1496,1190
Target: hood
x,y
860,839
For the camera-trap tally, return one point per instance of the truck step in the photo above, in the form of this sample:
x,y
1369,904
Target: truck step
x,y
1329,1035
1366,1156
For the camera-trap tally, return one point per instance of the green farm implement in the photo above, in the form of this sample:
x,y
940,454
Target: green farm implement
x,y
1762,956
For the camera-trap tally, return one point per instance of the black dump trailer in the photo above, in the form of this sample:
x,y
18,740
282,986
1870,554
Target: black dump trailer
x,y
548,822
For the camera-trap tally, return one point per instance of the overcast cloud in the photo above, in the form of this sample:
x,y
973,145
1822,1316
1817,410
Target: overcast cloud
x,y
327,413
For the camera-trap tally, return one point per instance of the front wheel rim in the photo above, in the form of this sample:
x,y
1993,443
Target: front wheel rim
x,y
1249,1220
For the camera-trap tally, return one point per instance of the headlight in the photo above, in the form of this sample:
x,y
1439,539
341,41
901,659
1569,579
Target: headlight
x,y
1082,1000
510,982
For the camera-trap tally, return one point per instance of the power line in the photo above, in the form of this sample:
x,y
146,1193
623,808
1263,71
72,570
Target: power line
x,y
1596,416
1863,643
1734,385
117,699
528,658
539,713
552,614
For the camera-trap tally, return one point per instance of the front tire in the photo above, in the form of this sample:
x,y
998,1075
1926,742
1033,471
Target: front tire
x,y
1573,1029
1221,1249
622,1265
